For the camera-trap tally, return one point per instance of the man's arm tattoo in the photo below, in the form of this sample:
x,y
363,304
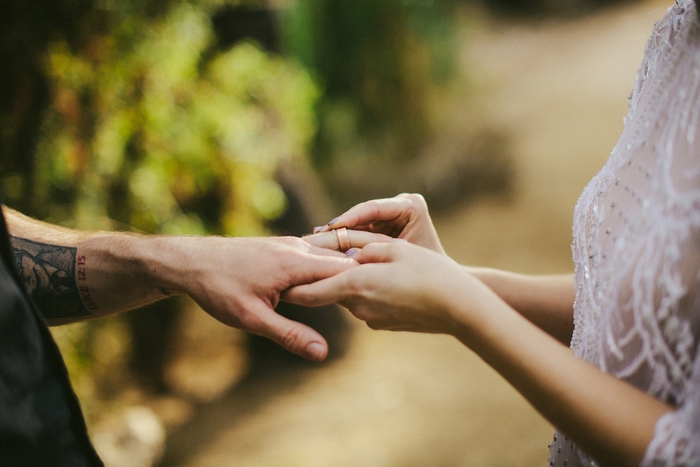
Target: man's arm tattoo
x,y
52,276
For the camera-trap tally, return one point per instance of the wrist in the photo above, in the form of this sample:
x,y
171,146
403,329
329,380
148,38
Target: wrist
x,y
164,262
466,300
484,274
110,274
475,308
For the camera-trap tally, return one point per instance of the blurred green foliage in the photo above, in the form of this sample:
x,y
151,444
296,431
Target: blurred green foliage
x,y
132,115
378,62
152,126
167,134
148,125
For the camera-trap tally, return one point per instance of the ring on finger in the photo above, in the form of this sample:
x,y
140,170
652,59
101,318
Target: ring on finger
x,y
343,240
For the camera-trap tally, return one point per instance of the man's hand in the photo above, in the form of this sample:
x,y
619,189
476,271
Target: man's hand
x,y
236,280
239,281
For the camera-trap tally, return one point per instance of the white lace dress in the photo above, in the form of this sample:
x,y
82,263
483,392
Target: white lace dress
x,y
636,247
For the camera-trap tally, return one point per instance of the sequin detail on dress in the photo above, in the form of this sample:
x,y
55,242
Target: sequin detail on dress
x,y
636,247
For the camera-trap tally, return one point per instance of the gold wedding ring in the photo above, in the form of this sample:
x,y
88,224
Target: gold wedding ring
x,y
343,240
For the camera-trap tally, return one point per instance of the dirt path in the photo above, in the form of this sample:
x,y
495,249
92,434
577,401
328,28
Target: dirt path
x,y
560,89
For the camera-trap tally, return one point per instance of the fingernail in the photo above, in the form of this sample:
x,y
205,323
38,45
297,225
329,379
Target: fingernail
x,y
352,251
333,221
315,351
317,229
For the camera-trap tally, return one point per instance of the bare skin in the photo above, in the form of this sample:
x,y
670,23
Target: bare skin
x,y
75,275
513,322
547,301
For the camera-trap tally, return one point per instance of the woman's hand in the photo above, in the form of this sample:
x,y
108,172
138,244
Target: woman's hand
x,y
404,216
400,287
403,287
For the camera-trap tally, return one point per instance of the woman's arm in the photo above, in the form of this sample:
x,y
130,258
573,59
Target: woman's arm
x,y
399,286
612,420
547,301
74,275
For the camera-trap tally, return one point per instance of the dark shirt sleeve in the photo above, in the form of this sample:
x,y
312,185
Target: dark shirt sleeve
x,y
41,423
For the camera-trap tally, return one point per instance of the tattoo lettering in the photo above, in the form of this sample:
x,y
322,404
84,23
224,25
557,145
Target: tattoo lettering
x,y
49,273
83,288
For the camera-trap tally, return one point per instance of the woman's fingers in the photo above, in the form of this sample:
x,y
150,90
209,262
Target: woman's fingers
x,y
397,210
404,216
324,292
378,253
344,285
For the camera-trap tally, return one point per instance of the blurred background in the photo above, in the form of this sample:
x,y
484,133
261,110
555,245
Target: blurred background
x,y
241,118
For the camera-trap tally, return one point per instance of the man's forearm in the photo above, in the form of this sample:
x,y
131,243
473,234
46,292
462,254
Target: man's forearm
x,y
75,275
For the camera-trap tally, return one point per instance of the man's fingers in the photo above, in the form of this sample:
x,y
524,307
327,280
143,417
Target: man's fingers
x,y
322,246
358,239
325,240
292,335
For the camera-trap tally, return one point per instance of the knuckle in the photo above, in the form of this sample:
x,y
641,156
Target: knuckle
x,y
417,199
296,242
394,250
291,339
330,239
287,256
355,288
